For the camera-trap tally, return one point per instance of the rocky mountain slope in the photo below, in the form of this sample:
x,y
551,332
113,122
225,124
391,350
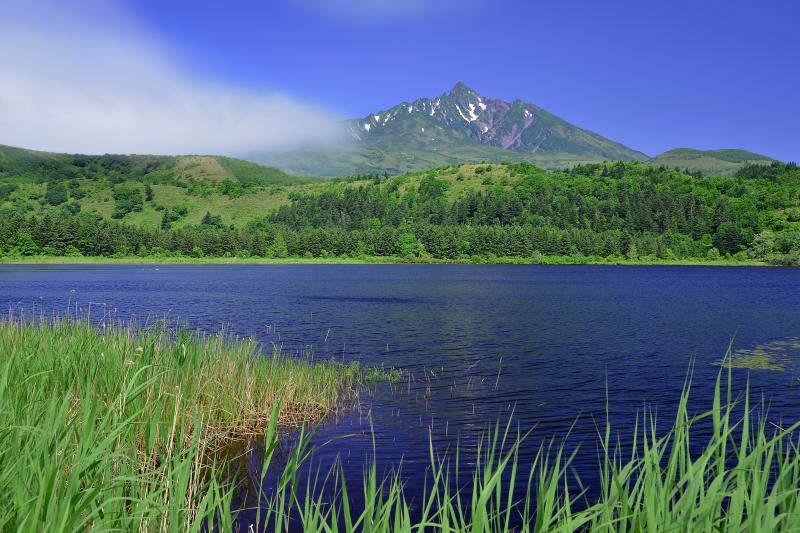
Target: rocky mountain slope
x,y
456,127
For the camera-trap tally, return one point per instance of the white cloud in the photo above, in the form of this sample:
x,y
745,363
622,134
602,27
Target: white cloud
x,y
87,79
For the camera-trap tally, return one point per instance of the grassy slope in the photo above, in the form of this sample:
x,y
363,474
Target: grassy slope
x,y
268,189
709,162
264,188
255,201
258,203
240,210
172,179
253,204
32,165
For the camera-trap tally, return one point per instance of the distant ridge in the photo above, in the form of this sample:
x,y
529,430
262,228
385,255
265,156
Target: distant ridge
x,y
710,162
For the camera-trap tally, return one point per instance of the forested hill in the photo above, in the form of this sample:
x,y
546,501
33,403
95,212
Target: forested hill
x,y
608,210
138,188
464,212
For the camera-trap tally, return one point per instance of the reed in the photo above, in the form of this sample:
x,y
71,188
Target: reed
x,y
119,427
742,475
112,429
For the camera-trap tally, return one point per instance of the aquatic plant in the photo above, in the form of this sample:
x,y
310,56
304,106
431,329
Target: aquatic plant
x,y
744,476
777,355
112,429
118,427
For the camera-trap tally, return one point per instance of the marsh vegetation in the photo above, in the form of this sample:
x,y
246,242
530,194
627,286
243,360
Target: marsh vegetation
x,y
119,429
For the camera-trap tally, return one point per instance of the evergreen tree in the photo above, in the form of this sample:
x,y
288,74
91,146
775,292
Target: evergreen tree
x,y
278,248
56,193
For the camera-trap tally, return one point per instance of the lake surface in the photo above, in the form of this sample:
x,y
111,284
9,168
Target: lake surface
x,y
546,345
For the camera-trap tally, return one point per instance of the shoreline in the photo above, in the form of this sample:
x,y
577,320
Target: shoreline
x,y
370,260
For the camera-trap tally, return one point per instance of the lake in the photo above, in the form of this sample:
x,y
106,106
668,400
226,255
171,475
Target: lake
x,y
544,346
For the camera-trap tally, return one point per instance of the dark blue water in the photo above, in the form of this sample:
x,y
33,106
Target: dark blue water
x,y
548,343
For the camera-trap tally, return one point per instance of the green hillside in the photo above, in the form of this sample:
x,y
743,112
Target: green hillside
x,y
709,162
205,206
142,188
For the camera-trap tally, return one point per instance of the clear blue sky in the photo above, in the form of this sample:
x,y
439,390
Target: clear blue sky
x,y
653,75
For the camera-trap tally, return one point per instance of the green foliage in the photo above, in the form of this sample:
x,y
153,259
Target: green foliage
x,y
610,210
605,210
278,247
431,188
56,193
230,188
71,251
408,246
711,471
71,208
174,214
126,199
126,430
22,244
6,189
165,220
120,429
210,220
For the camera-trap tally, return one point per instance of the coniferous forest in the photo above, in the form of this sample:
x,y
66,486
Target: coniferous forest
x,y
630,211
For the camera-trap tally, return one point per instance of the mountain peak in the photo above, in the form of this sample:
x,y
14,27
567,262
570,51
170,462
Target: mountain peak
x,y
462,88
463,125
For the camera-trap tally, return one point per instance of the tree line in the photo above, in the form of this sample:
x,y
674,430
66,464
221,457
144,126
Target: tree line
x,y
604,210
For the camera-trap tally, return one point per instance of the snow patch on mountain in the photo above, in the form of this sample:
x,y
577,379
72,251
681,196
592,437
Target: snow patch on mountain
x,y
514,126
472,114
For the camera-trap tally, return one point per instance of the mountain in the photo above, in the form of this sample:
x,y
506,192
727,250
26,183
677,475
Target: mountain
x,y
710,162
457,127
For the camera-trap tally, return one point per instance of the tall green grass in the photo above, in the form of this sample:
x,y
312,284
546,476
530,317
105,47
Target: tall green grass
x,y
112,431
744,476
121,428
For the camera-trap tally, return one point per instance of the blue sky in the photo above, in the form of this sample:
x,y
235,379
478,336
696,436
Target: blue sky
x,y
653,75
